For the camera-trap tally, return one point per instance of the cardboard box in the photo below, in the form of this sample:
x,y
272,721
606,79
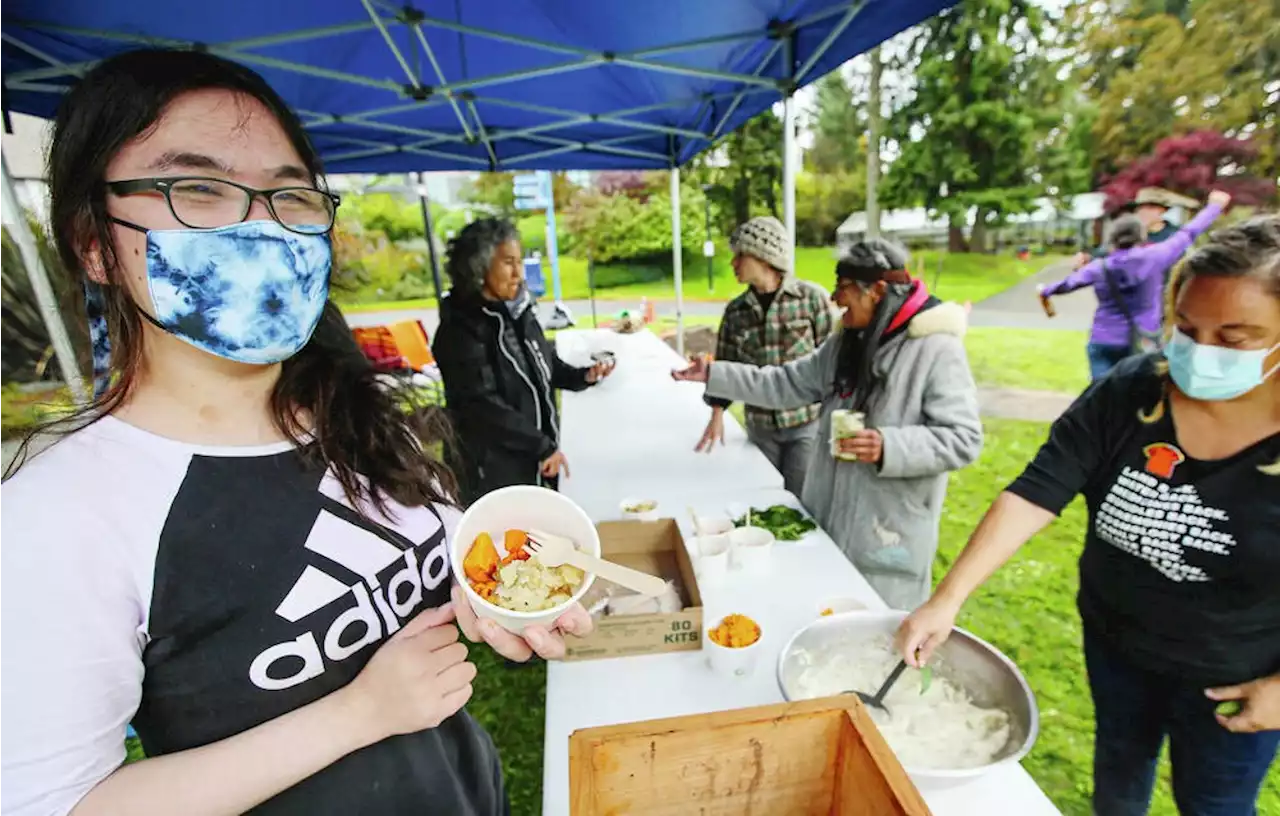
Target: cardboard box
x,y
820,757
655,547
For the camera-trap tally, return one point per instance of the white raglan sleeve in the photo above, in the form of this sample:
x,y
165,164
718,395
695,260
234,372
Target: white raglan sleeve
x,y
71,636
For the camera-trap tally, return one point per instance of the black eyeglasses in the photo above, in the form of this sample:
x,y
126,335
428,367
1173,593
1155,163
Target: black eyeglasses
x,y
208,203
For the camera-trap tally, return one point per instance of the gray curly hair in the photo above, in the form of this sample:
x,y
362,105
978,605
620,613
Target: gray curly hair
x,y
471,252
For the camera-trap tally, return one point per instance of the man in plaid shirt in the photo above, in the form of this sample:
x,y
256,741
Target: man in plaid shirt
x,y
776,320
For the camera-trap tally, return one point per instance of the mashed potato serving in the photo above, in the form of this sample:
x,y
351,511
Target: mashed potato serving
x,y
517,581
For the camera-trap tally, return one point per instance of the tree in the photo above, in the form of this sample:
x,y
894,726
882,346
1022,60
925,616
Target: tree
x,y
968,135
838,123
824,201
1193,165
496,192
1169,67
618,226
744,170
27,349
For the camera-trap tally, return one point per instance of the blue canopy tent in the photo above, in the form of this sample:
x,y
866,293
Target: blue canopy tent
x,y
480,84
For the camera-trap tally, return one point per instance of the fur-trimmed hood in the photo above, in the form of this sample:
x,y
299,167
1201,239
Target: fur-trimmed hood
x,y
945,318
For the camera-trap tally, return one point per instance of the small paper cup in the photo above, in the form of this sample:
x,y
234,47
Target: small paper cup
x,y
712,525
710,556
752,548
522,507
730,662
638,515
839,605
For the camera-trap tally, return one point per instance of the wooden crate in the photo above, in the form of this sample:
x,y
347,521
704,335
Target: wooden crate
x,y
815,757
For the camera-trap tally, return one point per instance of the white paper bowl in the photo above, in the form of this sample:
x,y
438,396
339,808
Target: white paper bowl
x,y
752,548
526,508
638,515
730,662
712,525
710,556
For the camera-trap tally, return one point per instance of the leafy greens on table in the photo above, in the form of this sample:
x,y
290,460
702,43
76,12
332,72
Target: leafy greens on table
x,y
786,523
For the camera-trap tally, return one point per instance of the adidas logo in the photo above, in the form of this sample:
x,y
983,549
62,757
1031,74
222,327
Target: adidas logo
x,y
393,581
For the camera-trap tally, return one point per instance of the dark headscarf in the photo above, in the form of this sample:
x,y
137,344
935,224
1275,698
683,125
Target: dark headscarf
x,y
868,262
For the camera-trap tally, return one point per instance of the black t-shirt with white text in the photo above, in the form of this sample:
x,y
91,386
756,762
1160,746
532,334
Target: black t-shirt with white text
x,y
1181,564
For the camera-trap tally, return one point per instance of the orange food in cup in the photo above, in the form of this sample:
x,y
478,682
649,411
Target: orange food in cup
x,y
828,612
736,632
481,561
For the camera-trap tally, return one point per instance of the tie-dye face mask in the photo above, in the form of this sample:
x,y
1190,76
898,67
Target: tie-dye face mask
x,y
251,292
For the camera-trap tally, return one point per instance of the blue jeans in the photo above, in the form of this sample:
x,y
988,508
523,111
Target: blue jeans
x,y
1103,358
1215,772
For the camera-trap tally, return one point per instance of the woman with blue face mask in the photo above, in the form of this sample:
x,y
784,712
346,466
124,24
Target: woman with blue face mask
x,y
1178,459
241,546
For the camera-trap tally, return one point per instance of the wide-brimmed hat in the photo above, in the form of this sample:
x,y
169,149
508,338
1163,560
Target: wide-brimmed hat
x,y
1164,198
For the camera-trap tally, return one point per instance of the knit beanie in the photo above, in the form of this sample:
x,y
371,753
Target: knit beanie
x,y
765,238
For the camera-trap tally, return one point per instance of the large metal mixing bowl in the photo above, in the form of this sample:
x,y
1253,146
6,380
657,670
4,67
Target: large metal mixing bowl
x,y
965,660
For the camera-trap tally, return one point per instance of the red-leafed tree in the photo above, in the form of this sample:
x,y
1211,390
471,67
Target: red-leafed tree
x,y
633,183
1193,165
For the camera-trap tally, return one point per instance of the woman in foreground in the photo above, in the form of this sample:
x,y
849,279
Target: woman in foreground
x,y
1178,459
899,359
240,547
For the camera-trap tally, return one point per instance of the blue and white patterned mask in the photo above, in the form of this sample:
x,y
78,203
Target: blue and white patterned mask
x,y
252,292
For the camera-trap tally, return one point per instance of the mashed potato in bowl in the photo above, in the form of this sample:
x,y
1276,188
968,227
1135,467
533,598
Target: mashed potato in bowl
x,y
518,581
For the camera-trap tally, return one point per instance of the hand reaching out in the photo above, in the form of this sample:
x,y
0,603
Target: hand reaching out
x,y
698,371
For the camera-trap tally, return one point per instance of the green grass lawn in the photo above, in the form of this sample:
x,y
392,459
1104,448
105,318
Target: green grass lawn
x,y
1035,359
958,277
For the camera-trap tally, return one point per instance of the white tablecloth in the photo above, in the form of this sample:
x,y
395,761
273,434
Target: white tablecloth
x,y
650,425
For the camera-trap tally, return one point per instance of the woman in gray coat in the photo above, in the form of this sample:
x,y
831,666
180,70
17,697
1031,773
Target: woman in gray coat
x,y
900,360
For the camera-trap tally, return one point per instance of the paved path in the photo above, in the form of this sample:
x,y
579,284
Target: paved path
x,y
1020,403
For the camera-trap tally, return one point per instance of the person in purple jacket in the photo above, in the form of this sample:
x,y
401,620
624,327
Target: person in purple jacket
x,y
1129,283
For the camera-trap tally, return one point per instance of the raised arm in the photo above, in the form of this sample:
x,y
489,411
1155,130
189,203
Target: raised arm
x,y
1087,275
1166,253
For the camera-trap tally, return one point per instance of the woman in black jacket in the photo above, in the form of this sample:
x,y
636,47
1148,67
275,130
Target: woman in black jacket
x,y
500,372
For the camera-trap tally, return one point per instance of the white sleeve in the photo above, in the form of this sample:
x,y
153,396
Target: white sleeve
x,y
71,625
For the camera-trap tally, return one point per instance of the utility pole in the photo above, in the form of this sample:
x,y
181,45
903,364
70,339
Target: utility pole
x,y
873,146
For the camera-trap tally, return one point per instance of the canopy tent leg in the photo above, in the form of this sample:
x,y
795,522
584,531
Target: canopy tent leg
x,y
789,170
15,219
430,231
677,258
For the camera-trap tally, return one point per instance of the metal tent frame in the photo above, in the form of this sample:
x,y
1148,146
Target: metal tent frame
x,y
405,99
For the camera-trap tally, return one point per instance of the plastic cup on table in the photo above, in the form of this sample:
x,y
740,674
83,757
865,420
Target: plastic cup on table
x,y
752,549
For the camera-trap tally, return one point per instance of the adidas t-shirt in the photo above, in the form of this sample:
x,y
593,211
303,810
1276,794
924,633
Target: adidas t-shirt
x,y
1181,563
198,592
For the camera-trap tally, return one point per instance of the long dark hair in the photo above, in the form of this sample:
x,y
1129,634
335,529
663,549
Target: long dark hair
x,y
361,427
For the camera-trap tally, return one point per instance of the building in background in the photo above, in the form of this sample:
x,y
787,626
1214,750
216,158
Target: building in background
x,y
1047,223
